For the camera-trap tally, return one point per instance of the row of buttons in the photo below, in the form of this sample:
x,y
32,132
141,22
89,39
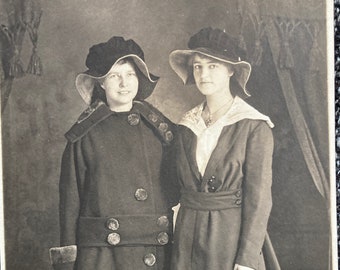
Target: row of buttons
x,y
114,237
163,127
238,195
213,184
113,223
134,119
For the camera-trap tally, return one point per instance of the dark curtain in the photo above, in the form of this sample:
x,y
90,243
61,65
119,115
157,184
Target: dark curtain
x,y
291,40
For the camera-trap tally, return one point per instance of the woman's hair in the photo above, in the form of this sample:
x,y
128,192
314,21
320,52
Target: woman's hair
x,y
99,92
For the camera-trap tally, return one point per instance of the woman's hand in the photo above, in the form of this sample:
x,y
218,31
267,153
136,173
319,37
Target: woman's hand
x,y
240,267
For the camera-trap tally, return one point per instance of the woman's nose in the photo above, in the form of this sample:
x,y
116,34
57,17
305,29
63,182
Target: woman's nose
x,y
123,81
204,72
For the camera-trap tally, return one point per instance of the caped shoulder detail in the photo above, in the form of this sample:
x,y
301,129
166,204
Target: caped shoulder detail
x,y
94,114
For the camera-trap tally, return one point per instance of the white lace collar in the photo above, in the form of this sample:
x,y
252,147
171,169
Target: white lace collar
x,y
238,111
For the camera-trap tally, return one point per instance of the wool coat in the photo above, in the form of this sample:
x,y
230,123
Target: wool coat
x,y
115,191
224,212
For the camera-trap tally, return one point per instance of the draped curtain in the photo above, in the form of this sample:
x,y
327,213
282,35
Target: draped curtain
x,y
23,16
296,38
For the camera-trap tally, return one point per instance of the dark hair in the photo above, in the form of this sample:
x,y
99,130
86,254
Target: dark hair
x,y
99,92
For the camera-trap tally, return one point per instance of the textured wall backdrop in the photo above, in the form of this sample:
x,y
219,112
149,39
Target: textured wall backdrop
x,y
41,109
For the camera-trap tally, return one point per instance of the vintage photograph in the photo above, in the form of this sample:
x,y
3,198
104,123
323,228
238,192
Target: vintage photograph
x,y
167,135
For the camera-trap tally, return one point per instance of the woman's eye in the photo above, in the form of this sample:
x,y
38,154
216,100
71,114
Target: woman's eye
x,y
113,76
131,74
212,66
197,67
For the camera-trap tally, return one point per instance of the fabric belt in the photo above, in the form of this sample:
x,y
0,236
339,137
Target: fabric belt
x,y
211,201
124,230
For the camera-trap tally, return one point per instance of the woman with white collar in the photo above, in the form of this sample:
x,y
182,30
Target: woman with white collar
x,y
224,161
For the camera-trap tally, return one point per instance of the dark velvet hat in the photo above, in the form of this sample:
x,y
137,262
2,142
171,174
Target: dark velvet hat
x,y
216,44
102,58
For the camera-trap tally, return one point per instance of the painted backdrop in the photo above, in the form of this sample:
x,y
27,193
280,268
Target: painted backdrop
x,y
40,109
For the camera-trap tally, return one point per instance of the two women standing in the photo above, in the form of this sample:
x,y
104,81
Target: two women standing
x,y
117,182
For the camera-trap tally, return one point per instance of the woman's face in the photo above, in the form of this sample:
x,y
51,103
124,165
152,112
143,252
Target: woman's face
x,y
120,85
211,76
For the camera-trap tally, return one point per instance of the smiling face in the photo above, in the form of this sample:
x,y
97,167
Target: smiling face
x,y
212,77
121,86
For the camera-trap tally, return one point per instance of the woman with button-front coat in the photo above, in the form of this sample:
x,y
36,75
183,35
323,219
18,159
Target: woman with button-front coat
x,y
224,163
115,189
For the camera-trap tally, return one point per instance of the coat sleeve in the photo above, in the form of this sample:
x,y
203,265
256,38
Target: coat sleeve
x,y
257,198
169,171
73,170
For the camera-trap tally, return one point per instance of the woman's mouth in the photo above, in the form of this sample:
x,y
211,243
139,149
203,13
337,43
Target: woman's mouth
x,y
124,92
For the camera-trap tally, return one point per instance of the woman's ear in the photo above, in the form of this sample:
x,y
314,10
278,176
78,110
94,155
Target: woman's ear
x,y
231,71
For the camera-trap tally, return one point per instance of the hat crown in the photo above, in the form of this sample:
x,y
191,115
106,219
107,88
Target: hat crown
x,y
217,41
102,56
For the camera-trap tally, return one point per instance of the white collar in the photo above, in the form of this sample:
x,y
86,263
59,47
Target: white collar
x,y
238,111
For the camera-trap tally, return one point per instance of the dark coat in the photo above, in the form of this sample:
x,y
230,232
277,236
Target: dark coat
x,y
115,190
238,177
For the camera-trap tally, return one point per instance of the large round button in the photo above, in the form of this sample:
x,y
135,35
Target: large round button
x,y
112,224
133,119
163,221
149,259
113,239
163,238
141,194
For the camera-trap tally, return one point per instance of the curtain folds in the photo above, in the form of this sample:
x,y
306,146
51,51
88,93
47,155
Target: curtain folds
x,y
301,127
302,130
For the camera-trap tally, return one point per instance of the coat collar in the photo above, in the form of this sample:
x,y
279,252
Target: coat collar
x,y
238,111
99,111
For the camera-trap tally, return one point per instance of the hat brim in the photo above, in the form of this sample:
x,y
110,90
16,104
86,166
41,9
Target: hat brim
x,y
179,62
85,81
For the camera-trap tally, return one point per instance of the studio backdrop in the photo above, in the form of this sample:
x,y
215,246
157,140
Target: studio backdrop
x,y
43,45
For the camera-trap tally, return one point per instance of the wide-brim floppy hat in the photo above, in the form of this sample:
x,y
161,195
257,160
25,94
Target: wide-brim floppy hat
x,y
216,44
103,57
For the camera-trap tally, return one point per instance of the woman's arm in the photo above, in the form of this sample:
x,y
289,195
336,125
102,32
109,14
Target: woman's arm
x,y
72,169
257,199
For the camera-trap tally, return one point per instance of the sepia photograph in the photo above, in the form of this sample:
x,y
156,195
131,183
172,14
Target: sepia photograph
x,y
167,135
